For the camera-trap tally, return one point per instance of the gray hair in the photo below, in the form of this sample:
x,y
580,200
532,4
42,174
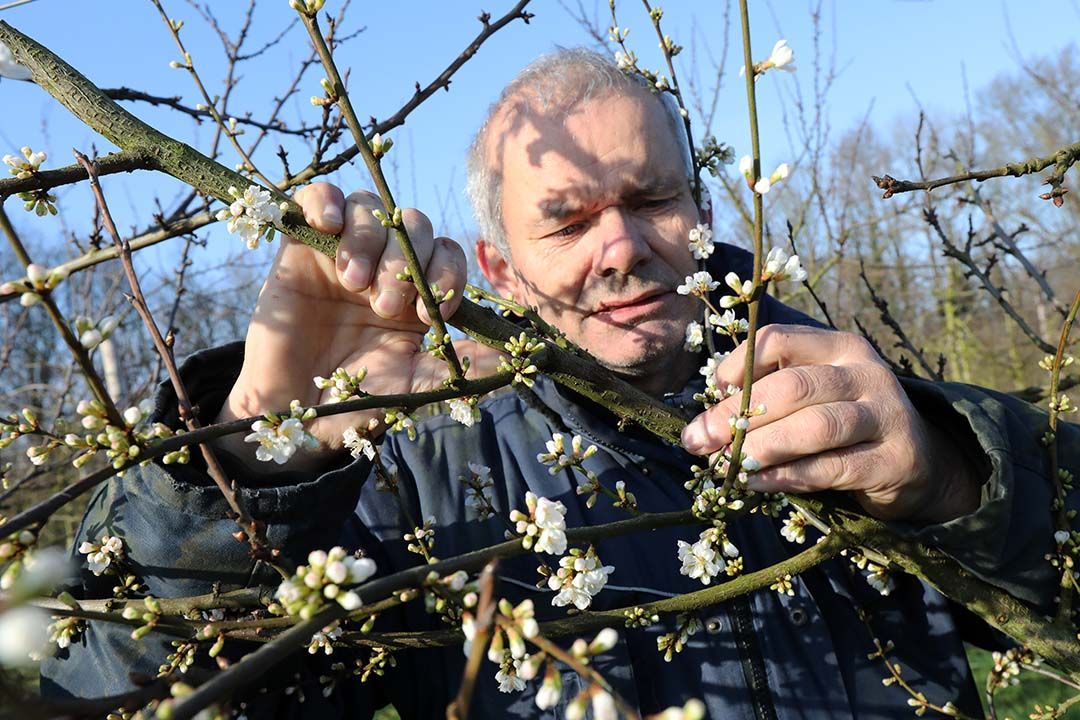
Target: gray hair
x,y
560,80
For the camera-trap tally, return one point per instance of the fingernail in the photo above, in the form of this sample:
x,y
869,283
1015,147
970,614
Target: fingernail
x,y
390,303
693,437
331,216
357,275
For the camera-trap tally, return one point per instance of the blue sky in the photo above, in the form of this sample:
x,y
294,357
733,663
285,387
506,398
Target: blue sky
x,y
887,52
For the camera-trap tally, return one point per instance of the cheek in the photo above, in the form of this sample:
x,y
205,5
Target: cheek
x,y
556,283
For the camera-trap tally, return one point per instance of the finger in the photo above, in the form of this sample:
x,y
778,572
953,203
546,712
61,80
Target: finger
x,y
847,468
391,297
446,272
780,346
813,430
323,205
363,241
779,395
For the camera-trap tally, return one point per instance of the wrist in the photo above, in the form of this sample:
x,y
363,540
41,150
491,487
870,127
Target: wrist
x,y
952,487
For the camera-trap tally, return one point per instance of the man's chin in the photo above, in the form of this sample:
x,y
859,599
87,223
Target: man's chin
x,y
658,368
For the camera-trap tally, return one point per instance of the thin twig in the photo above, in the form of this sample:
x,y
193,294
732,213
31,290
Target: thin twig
x,y
252,529
458,709
735,463
1064,614
81,354
1062,159
902,340
390,207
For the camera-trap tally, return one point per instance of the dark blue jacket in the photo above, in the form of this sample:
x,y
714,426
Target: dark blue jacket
x,y
762,656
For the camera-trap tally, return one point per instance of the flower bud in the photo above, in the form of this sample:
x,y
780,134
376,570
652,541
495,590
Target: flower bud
x,y
36,274
604,641
91,338
132,416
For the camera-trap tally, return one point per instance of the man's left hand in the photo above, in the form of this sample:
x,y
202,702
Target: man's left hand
x,y
837,418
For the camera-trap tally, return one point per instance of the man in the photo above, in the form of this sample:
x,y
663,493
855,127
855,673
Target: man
x,y
579,182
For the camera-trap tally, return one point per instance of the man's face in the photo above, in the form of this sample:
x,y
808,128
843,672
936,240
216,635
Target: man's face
x,y
597,210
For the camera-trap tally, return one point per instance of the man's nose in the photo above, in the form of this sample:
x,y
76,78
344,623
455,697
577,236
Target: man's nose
x,y
621,244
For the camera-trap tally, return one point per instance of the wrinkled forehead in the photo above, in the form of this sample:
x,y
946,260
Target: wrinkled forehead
x,y
551,157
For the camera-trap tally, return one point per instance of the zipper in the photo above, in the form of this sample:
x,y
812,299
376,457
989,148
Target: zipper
x,y
753,664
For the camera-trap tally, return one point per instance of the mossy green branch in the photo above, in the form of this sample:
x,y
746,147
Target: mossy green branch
x,y
1057,644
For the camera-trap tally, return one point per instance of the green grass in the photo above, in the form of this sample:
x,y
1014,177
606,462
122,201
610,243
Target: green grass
x,y
1019,701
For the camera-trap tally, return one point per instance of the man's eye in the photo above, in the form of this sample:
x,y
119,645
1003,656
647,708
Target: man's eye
x,y
569,231
656,204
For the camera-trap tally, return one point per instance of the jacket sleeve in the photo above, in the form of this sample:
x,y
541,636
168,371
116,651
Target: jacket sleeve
x,y
1006,540
177,539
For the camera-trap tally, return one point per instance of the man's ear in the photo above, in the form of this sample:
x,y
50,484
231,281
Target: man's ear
x,y
497,269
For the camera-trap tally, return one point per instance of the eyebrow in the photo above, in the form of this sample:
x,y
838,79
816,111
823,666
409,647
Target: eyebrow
x,y
564,205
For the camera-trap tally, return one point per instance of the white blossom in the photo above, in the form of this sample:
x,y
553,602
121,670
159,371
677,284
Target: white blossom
x,y
9,68
746,166
794,529
625,60
694,709
550,690
694,336
879,578
508,678
701,244
603,706
321,579
781,56
251,214
24,635
701,560
604,641
1061,537
558,458
544,527
279,441
100,555
778,266
727,323
763,185
43,570
700,283
342,384
744,289
579,578
30,161
464,411
323,640
358,445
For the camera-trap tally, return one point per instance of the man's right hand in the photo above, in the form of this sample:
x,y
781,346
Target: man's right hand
x,y
315,314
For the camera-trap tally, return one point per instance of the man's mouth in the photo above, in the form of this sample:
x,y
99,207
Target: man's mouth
x,y
631,308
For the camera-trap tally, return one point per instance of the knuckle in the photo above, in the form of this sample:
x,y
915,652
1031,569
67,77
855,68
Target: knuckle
x,y
363,198
828,423
859,345
879,380
836,467
417,222
799,386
